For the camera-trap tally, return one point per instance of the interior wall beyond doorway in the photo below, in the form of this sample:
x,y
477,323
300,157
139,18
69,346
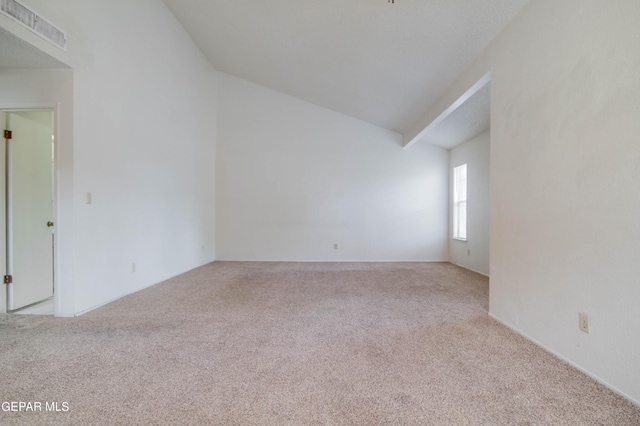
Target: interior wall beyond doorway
x,y
473,253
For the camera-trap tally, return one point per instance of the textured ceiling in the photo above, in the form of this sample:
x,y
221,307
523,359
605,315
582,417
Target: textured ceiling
x,y
16,53
380,62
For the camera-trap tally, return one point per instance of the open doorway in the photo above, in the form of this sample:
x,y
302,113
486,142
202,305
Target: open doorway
x,y
35,77
28,167
463,129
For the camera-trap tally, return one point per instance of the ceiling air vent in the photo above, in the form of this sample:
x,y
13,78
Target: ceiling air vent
x,y
36,23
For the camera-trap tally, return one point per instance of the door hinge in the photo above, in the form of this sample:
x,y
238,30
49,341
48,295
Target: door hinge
x,y
8,134
8,279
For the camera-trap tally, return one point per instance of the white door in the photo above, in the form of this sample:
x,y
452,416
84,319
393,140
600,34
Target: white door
x,y
29,201
3,211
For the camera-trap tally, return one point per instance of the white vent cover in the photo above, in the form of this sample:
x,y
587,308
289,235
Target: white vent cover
x,y
36,23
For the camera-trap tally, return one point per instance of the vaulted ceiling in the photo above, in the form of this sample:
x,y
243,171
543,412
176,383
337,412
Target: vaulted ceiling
x,y
373,60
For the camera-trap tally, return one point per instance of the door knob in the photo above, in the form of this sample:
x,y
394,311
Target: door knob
x,y
49,224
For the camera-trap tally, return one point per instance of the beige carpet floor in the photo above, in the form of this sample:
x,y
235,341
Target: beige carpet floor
x,y
296,344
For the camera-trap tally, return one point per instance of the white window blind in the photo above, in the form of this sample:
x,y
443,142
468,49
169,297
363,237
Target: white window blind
x,y
460,202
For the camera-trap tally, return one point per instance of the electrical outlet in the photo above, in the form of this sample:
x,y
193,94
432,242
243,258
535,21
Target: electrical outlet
x,y
133,267
584,322
89,198
203,248
335,246
468,252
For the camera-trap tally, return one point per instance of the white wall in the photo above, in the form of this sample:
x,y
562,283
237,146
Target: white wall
x,y
565,173
145,147
144,129
474,253
294,178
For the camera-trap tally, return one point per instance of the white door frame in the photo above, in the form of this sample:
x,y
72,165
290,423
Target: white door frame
x,y
29,106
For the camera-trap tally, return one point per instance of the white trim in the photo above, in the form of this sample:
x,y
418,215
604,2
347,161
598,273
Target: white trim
x,y
469,269
99,305
57,295
333,261
28,106
460,200
8,216
568,361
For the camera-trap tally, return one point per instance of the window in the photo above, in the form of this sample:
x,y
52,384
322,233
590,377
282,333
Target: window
x,y
460,202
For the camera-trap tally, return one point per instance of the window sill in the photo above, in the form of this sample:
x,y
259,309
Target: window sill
x,y
464,240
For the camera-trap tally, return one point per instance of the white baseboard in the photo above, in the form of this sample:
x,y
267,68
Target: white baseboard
x,y
568,361
332,261
469,269
77,314
84,311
